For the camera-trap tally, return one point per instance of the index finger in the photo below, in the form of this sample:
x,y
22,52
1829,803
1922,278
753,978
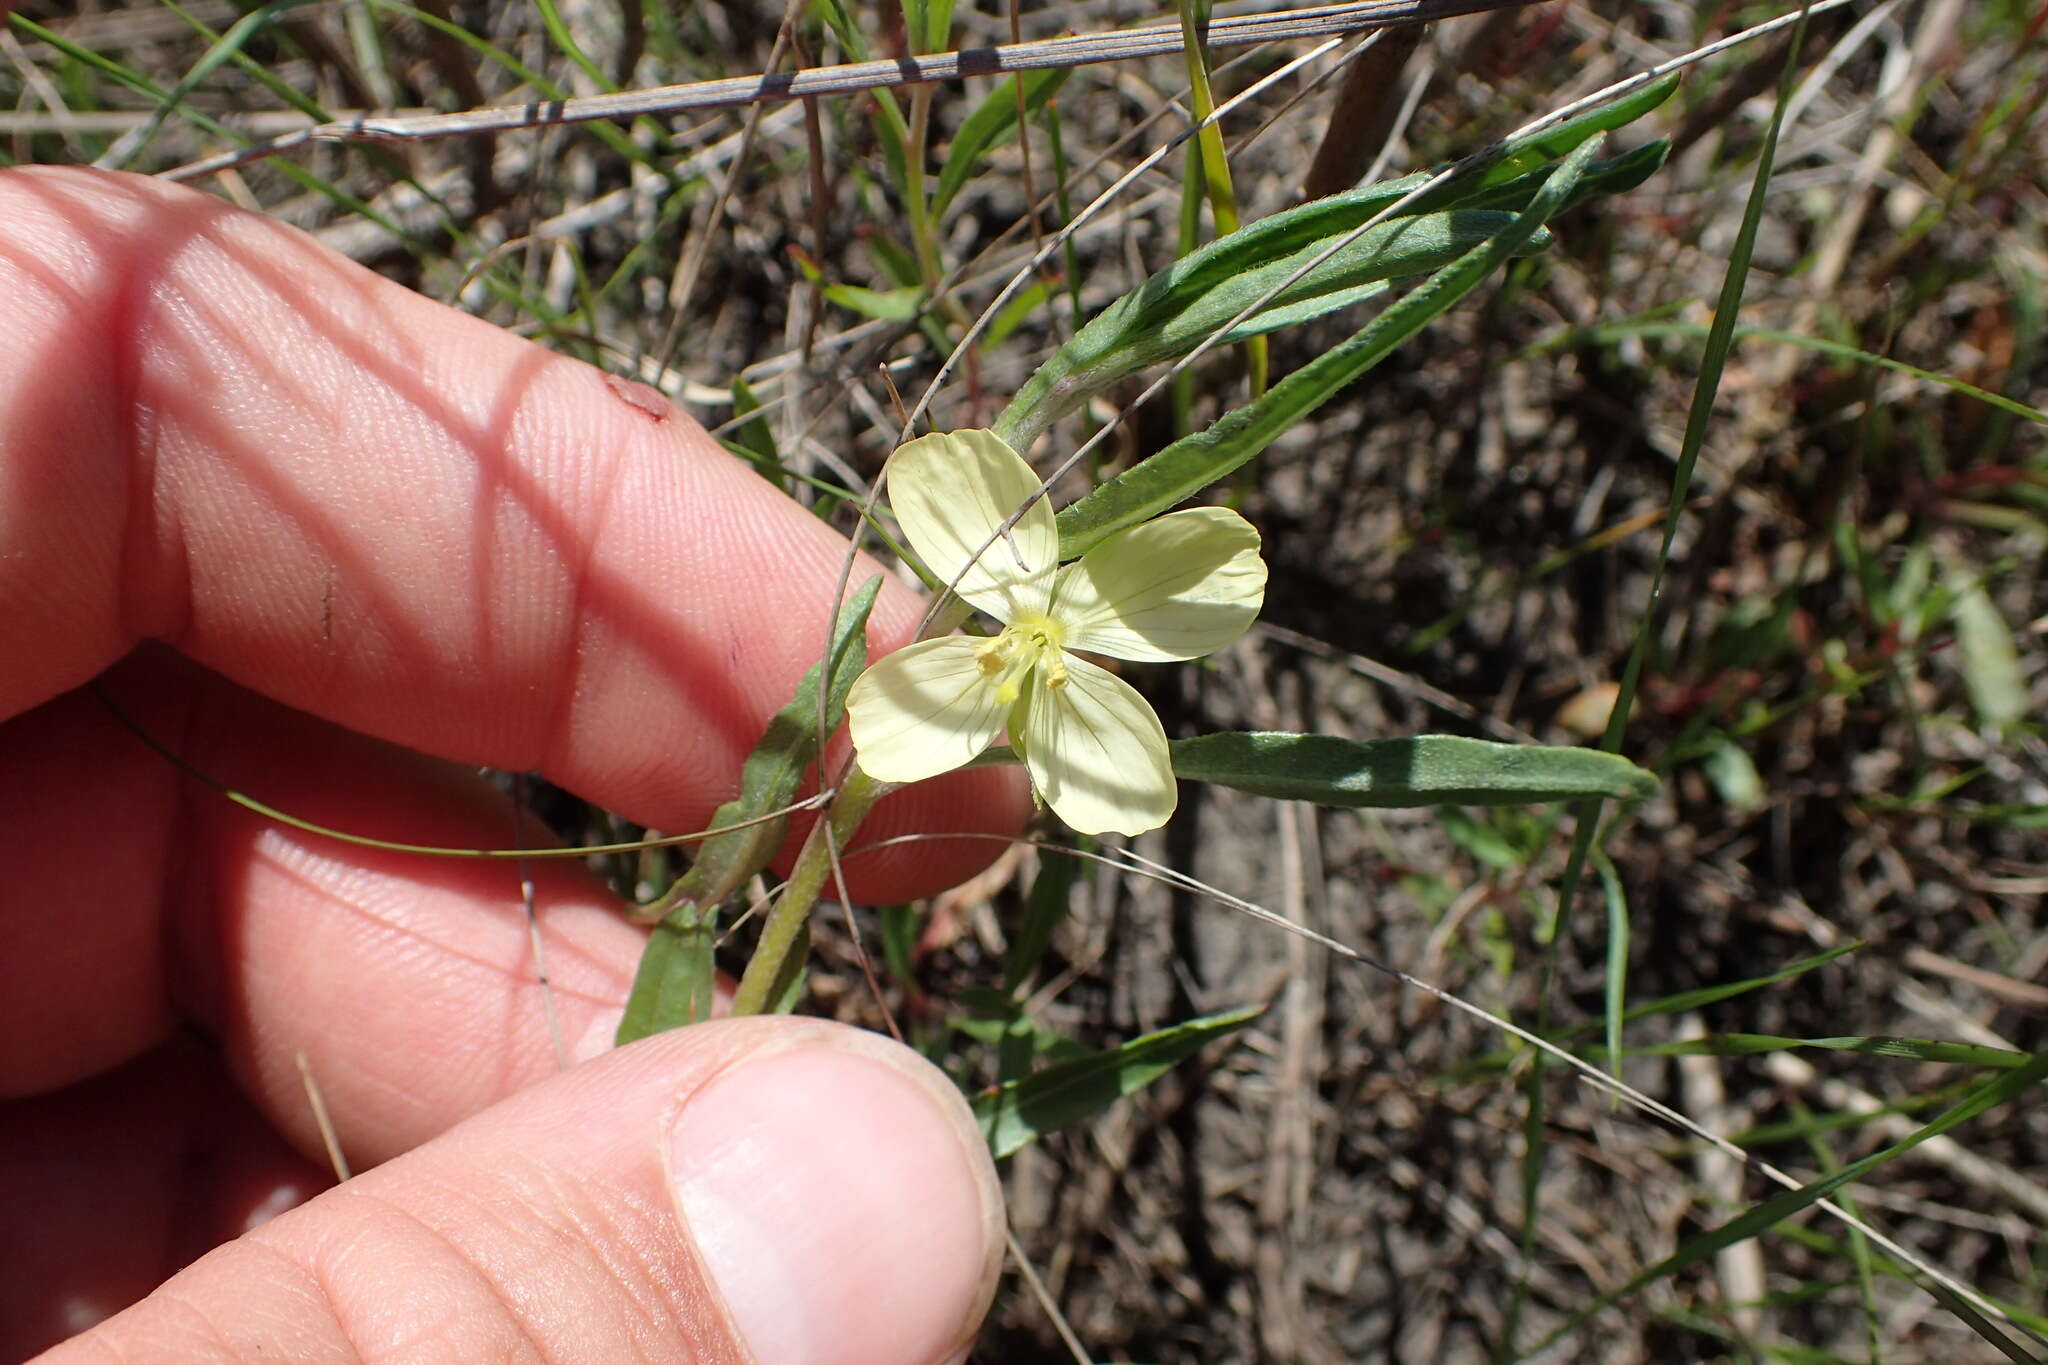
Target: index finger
x,y
216,433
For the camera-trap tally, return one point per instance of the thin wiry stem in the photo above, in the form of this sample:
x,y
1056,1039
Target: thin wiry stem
x,y
852,77
1127,861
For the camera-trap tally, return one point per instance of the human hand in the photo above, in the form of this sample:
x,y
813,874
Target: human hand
x,y
355,520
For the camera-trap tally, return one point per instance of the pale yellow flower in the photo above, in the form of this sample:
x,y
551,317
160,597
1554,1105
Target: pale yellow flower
x,y
1177,587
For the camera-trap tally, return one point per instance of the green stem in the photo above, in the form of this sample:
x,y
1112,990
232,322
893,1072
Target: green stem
x,y
857,796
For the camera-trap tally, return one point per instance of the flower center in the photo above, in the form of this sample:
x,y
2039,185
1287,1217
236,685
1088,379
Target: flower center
x,y
1032,643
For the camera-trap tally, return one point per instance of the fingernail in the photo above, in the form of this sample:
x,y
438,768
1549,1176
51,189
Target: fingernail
x,y
842,1203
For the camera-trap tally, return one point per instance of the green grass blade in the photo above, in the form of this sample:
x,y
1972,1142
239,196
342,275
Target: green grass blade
x,y
226,48
1998,1090
989,125
1873,1045
565,43
1720,339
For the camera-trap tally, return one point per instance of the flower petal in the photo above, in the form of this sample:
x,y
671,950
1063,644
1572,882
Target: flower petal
x,y
924,710
1097,753
950,492
1180,586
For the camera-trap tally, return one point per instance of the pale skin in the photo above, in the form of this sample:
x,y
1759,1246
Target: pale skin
x,y
310,528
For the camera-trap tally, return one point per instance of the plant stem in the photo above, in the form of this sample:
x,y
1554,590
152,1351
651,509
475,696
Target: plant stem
x,y
857,796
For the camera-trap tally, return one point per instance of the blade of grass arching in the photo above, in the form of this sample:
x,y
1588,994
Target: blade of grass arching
x,y
227,47
1682,1003
1765,1135
372,61
1860,1259
1761,1218
252,68
1872,1045
1714,360
2025,1317
1191,464
565,43
610,134
142,85
1208,149
889,123
1686,1001
1063,204
393,168
989,125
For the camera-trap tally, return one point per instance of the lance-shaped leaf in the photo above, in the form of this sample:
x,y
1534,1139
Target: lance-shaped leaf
x,y
1067,1093
1211,283
674,984
1422,770
1177,309
1193,462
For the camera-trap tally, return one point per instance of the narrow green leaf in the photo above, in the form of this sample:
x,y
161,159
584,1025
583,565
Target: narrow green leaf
x,y
1044,908
1771,1212
773,771
996,1019
988,126
677,977
1421,770
1067,1093
1176,310
840,20
1875,1045
672,985
558,31
892,305
1517,156
1615,175
224,49
900,926
1015,314
752,434
1192,463
1686,1001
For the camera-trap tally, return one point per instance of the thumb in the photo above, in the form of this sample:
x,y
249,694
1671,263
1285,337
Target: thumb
x,y
781,1191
